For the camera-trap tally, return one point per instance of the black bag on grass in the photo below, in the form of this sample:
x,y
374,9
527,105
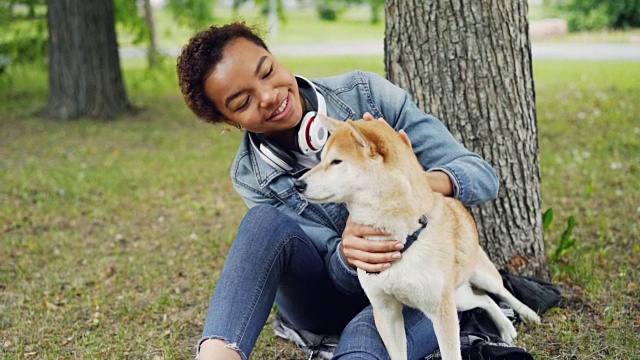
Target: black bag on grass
x,y
479,337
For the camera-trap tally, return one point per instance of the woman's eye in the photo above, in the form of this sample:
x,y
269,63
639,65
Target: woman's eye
x,y
266,75
244,104
335,162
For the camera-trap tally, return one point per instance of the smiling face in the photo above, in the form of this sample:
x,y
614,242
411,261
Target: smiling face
x,y
251,88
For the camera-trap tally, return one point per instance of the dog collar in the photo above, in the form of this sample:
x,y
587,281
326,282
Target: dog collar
x,y
411,238
414,235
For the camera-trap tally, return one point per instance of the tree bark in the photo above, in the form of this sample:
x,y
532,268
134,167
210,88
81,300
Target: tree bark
x,y
84,67
468,62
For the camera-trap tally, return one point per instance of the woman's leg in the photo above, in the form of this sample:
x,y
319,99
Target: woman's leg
x,y
308,300
271,254
360,339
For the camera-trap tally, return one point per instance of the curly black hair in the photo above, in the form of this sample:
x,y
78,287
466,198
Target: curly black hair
x,y
199,56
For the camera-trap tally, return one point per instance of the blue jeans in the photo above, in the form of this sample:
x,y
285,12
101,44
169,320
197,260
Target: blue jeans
x,y
273,260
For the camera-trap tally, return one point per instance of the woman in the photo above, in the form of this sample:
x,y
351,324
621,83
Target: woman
x,y
299,255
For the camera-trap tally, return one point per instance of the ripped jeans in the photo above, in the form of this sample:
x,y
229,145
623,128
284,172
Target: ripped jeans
x,y
273,260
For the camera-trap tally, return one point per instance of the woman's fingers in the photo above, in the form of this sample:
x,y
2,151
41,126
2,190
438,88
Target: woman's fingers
x,y
368,255
367,116
361,231
370,246
370,261
405,138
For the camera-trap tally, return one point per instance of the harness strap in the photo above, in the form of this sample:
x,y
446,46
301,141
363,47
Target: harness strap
x,y
414,236
411,238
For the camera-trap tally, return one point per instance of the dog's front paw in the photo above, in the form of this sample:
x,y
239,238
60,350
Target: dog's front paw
x,y
506,329
509,334
529,315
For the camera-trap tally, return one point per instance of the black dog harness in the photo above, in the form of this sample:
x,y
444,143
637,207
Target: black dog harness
x,y
411,238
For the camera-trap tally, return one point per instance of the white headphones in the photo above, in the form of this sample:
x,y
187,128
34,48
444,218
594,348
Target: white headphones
x,y
312,136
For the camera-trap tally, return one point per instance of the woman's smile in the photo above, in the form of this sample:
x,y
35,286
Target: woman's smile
x,y
282,111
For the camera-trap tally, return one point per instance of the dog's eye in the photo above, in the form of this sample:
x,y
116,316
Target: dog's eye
x,y
335,162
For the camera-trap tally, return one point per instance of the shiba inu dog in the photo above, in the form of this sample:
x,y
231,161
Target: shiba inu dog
x,y
373,170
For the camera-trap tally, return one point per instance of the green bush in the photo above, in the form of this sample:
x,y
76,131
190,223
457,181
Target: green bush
x,y
327,13
331,10
627,13
25,41
598,14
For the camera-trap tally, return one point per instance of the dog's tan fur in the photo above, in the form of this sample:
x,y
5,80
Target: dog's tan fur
x,y
371,168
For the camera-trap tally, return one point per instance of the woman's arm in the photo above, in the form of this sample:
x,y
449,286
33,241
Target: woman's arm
x,y
440,182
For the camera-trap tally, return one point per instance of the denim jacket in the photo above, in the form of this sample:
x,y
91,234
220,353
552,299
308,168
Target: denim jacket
x,y
349,96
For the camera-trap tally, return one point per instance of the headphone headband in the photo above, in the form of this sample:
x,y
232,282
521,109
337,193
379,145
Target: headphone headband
x,y
322,105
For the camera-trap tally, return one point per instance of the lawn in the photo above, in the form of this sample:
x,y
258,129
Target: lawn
x,y
589,135
113,234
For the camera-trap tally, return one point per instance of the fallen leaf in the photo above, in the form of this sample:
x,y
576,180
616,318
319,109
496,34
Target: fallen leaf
x,y
110,272
50,306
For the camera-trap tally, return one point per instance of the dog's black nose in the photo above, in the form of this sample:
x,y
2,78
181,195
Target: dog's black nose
x,y
300,185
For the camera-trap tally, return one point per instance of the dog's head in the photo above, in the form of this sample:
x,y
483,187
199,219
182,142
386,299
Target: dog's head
x,y
357,160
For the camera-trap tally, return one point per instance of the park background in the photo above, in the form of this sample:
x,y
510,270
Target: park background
x,y
113,233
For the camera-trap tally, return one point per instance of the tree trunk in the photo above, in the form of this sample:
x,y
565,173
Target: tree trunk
x,y
152,52
84,66
468,62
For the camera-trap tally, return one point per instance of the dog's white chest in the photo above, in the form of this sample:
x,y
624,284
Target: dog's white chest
x,y
406,280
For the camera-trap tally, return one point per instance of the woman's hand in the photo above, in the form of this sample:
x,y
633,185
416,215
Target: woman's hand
x,y
368,255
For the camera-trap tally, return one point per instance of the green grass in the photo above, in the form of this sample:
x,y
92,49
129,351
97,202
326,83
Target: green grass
x,y
590,151
299,26
113,234
95,218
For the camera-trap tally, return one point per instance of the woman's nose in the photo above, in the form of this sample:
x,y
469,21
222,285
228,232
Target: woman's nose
x,y
268,96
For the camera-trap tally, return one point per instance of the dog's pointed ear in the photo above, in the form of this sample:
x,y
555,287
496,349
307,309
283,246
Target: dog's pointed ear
x,y
329,123
360,140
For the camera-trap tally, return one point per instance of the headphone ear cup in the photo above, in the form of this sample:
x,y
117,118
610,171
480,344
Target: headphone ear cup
x,y
312,135
279,159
